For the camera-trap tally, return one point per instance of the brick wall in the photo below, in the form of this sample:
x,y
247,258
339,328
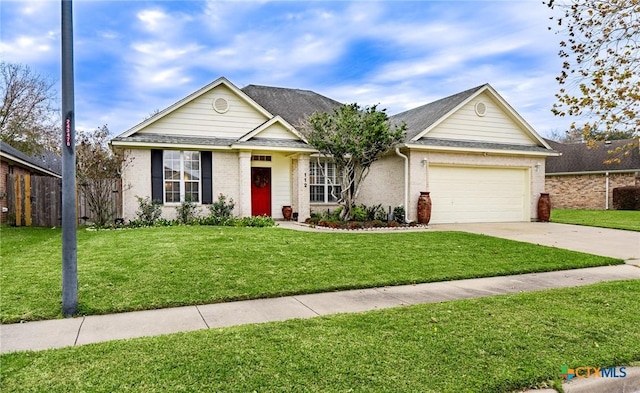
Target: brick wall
x,y
585,191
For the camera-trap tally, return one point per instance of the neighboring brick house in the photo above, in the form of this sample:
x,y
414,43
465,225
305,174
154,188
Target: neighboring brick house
x,y
13,161
477,156
580,179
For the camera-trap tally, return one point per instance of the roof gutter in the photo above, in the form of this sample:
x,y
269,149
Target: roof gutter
x,y
163,145
406,183
481,150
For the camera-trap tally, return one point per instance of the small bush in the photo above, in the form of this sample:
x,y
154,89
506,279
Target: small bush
x,y
148,212
359,213
626,198
222,208
398,214
256,221
335,215
375,212
186,212
216,221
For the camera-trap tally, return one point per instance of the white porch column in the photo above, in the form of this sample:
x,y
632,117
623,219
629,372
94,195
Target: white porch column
x,y
244,181
302,191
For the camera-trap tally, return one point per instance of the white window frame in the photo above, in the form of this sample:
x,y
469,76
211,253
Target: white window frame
x,y
323,168
182,181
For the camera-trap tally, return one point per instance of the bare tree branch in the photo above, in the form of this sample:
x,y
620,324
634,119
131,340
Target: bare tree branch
x,y
28,120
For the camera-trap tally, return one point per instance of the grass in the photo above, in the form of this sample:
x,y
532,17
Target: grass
x,y
151,268
496,344
616,219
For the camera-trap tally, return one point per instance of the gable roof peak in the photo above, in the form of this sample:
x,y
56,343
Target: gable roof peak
x,y
203,90
420,118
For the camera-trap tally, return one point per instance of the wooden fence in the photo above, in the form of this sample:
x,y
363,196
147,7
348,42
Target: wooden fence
x,y
37,201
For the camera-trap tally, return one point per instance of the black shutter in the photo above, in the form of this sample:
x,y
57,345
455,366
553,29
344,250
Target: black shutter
x,y
207,177
156,176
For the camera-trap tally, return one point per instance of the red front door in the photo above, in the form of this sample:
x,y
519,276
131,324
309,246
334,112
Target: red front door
x,y
260,191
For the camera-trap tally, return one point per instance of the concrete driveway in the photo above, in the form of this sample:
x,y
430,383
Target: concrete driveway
x,y
599,241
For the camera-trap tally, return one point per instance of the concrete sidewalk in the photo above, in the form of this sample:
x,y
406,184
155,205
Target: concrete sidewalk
x,y
97,328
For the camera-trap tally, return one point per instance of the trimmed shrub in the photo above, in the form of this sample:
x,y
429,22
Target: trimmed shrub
x,y
186,212
626,198
222,209
148,212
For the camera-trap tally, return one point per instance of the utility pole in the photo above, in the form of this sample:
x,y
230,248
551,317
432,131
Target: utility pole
x,y
69,219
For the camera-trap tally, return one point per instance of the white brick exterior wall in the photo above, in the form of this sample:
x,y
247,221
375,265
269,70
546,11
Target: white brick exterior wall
x,y
385,183
225,177
136,180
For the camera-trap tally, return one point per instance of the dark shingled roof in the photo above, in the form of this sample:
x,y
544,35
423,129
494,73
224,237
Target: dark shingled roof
x,y
272,142
478,145
420,118
578,157
203,141
176,139
293,105
48,160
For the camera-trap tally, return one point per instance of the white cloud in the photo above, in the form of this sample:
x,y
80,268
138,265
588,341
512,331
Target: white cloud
x,y
153,19
27,49
171,76
30,34
159,52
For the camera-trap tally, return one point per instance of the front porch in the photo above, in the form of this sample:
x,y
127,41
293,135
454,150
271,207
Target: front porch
x,y
269,180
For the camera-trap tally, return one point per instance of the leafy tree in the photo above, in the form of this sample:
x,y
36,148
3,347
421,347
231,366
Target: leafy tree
x,y
27,120
354,138
600,76
96,168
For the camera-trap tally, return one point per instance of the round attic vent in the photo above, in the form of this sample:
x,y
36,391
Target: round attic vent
x,y
480,108
220,105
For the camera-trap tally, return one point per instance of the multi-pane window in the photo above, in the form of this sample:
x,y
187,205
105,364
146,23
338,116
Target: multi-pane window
x,y
181,176
322,181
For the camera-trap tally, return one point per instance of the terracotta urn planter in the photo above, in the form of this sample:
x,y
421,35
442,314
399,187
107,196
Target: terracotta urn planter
x,y
286,212
424,208
544,207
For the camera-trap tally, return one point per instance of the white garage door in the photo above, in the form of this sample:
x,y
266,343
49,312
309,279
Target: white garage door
x,y
478,194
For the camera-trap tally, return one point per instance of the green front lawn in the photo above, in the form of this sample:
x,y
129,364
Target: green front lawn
x,y
496,344
146,268
616,219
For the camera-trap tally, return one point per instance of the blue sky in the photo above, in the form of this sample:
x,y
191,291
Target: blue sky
x,y
134,57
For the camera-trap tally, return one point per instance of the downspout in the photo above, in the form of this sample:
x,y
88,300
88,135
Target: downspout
x,y
406,183
606,191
